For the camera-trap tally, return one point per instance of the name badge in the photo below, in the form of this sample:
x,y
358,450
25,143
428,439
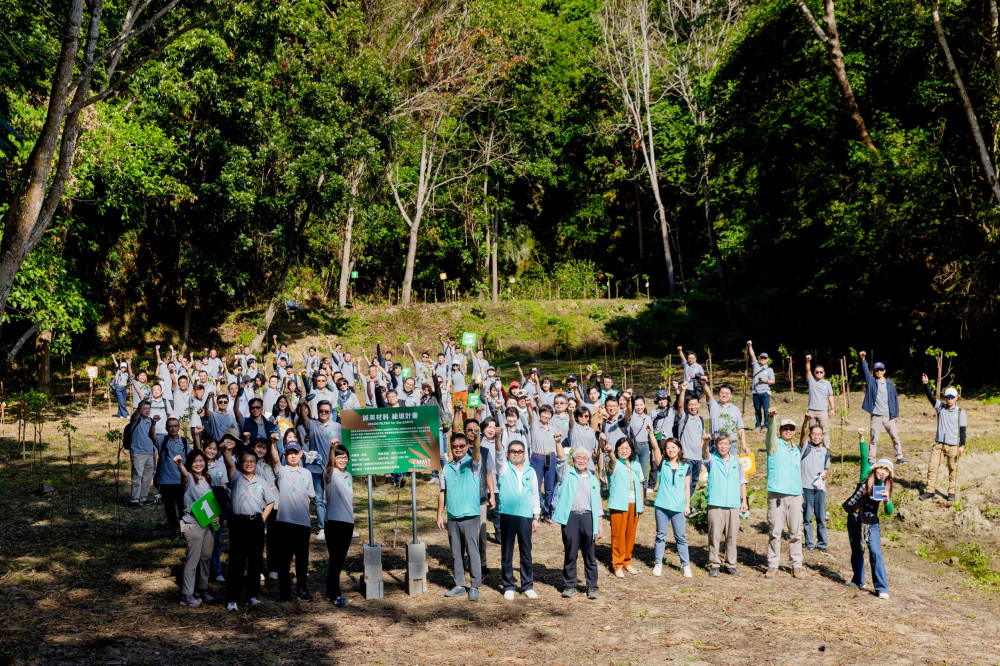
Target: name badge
x,y
305,481
256,486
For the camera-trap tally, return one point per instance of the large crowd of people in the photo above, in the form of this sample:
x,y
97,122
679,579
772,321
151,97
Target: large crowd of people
x,y
263,438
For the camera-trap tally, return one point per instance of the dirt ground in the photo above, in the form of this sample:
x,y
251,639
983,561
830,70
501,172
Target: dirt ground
x,y
100,585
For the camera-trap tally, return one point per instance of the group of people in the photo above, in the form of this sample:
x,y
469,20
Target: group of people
x,y
519,456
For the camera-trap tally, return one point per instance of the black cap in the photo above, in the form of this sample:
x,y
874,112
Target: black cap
x,y
571,378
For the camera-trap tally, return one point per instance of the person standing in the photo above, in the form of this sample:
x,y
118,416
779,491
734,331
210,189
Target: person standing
x,y
168,447
119,386
760,386
291,530
141,445
316,437
625,502
689,429
821,405
693,372
459,498
863,528
641,426
784,494
193,474
672,504
723,415
543,453
882,402
578,509
519,512
814,468
339,519
727,496
252,502
949,441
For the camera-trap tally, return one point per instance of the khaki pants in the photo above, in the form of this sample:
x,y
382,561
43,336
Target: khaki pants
x,y
950,453
784,510
200,542
143,466
722,522
822,418
879,423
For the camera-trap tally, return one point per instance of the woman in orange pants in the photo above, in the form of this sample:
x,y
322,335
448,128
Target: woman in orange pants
x,y
625,500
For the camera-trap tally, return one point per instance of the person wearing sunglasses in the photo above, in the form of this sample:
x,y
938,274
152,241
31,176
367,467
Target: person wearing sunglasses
x,y
821,407
255,426
459,500
519,511
317,436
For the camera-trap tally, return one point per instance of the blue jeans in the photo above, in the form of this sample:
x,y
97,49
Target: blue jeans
x,y
548,475
676,521
695,473
121,395
761,403
814,504
320,498
879,576
642,449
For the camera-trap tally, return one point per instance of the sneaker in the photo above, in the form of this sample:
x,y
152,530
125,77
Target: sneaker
x,y
354,534
220,579
231,606
254,601
731,571
657,569
156,498
205,596
474,594
619,573
714,572
687,571
340,602
925,496
883,595
321,535
772,572
796,572
824,551
951,497
568,593
509,595
900,460
263,579
592,593
273,575
632,570
455,591
854,585
190,600
531,594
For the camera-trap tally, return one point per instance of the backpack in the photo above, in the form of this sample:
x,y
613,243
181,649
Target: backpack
x,y
679,425
162,452
129,430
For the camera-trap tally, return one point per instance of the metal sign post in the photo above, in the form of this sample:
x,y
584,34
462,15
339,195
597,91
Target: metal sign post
x,y
416,551
371,579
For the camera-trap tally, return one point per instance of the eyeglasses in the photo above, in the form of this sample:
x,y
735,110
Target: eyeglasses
x,y
223,402
517,452
255,407
819,372
324,411
459,446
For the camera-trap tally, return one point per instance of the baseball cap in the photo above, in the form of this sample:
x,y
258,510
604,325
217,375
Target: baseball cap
x,y
880,366
292,446
514,385
662,395
950,393
571,378
764,355
785,423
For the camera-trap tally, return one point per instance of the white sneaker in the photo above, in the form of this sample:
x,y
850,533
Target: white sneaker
x,y
273,575
687,570
619,573
531,594
355,535
220,579
657,569
883,595
321,535
509,595
254,601
262,579
231,606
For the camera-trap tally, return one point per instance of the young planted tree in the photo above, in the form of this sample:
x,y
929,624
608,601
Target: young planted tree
x,y
631,45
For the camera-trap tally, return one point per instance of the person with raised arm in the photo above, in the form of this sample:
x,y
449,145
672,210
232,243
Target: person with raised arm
x,y
821,404
252,502
761,382
119,386
689,430
289,535
726,498
625,501
882,402
459,500
693,372
949,441
814,469
193,473
672,504
519,513
863,528
578,509
784,494
724,415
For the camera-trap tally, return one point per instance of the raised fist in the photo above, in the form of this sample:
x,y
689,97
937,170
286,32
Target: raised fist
x,y
862,354
809,357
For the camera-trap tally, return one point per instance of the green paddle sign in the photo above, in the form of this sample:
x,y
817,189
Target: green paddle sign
x,y
468,339
206,509
407,373
474,400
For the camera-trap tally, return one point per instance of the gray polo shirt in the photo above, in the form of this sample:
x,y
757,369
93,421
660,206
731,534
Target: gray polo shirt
x,y
217,473
295,488
192,493
948,423
881,406
250,497
722,418
638,423
458,381
692,370
317,437
814,460
761,372
167,448
142,445
339,497
690,435
819,394
542,439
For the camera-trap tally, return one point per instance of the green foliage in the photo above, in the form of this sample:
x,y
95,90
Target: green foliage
x,y
979,563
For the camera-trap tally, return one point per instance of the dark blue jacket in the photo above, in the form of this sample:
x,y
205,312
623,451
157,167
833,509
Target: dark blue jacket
x,y
252,427
871,391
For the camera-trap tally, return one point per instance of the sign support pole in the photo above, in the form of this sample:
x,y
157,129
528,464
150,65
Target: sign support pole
x,y
371,579
416,552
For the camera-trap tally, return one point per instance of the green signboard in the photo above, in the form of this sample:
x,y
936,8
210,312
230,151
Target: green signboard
x,y
391,440
407,373
474,400
354,275
468,339
206,509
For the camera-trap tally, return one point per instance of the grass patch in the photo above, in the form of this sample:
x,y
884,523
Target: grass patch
x,y
979,563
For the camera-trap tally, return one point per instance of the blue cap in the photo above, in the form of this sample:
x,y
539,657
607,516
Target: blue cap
x,y
292,446
879,366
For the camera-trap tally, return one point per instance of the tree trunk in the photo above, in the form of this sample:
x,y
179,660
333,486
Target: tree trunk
x,y
411,259
638,217
43,352
346,263
12,354
186,328
272,307
830,38
966,103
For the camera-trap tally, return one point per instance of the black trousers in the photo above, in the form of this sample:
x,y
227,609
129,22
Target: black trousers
x,y
286,541
172,495
338,540
519,527
268,552
246,548
578,535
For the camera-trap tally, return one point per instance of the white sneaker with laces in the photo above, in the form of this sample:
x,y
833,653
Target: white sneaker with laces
x,y
657,569
355,535
231,606
254,601
531,594
509,595
687,571
321,535
883,595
